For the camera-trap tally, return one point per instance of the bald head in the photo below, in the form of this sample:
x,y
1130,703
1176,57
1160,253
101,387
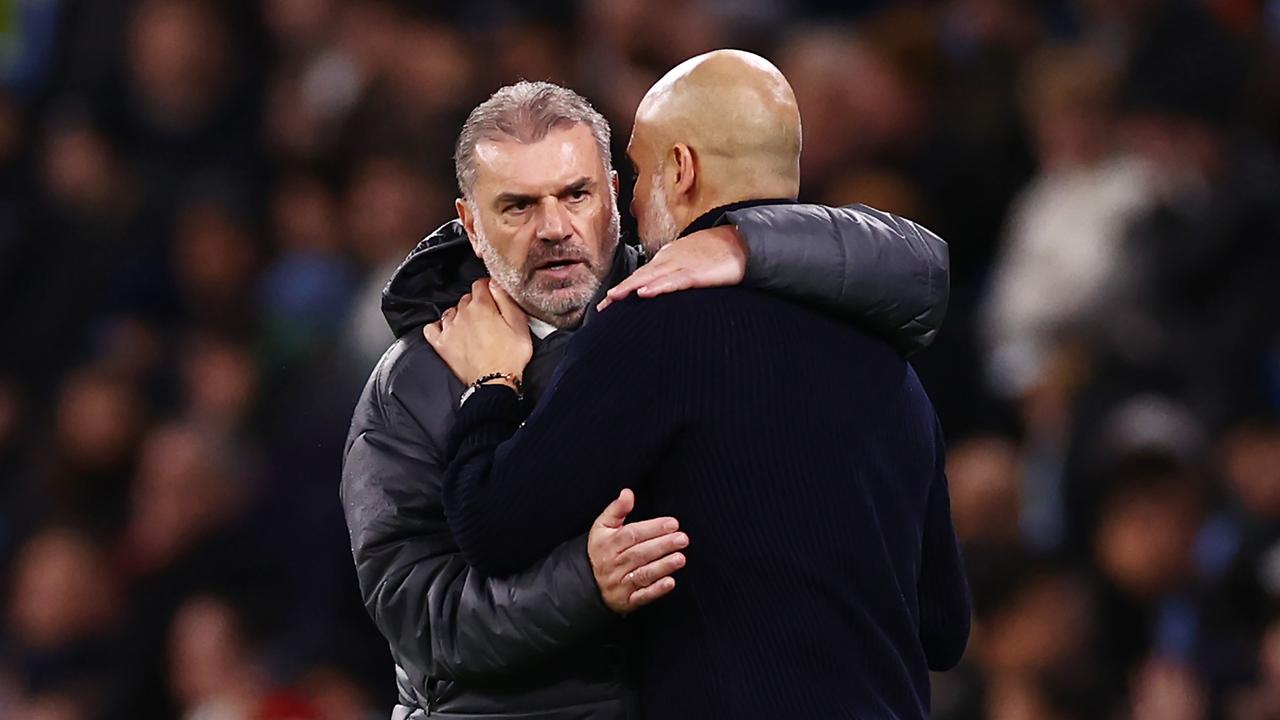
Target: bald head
x,y
723,126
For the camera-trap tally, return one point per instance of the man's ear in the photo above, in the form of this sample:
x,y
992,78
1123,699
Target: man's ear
x,y
468,219
686,171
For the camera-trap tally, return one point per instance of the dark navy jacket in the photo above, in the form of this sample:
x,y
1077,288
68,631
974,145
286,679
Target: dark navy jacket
x,y
804,461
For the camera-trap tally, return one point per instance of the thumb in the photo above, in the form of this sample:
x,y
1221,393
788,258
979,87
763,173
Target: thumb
x,y
431,331
508,307
618,510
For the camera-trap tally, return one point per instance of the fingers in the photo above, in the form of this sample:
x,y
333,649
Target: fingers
x,y
667,283
716,257
431,331
654,572
480,292
617,511
646,595
635,533
646,552
631,283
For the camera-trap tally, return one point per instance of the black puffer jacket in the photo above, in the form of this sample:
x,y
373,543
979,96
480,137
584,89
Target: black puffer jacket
x,y
537,644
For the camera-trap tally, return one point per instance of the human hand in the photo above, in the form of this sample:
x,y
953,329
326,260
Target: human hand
x,y
633,563
716,257
486,333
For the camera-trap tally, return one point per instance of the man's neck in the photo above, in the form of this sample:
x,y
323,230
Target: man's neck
x,y
711,217
568,321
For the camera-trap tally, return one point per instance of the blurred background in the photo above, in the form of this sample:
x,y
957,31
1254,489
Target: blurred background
x,y
200,201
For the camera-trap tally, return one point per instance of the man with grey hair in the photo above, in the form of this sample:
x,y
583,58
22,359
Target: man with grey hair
x,y
538,214
553,276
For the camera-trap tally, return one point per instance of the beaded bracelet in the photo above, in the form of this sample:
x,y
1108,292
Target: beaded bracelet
x,y
509,377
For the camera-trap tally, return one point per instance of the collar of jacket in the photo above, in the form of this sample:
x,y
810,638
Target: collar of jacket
x,y
432,278
715,216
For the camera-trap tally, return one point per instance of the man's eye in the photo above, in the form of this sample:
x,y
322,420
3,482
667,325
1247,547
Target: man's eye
x,y
518,207
578,195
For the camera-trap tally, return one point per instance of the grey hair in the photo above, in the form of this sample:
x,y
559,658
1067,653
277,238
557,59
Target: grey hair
x,y
525,111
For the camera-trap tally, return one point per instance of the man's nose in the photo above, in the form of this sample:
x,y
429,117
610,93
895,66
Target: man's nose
x,y
553,223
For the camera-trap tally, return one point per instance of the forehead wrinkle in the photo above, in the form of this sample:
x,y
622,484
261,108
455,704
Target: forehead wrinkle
x,y
540,168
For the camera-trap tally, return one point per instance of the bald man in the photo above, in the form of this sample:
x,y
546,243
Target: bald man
x,y
801,455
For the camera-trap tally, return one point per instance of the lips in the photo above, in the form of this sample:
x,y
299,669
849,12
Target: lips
x,y
558,264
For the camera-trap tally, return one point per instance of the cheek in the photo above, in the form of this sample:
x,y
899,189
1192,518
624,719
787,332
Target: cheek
x,y
639,198
591,223
511,242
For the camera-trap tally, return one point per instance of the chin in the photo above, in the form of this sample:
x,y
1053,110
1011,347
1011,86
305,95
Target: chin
x,y
566,302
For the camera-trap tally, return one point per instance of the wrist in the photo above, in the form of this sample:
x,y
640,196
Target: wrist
x,y
736,247
738,243
505,381
749,249
509,380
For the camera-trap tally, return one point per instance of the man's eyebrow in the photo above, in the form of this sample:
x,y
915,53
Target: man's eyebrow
x,y
582,183
512,198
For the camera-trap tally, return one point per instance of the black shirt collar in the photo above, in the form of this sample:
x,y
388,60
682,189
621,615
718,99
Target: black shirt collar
x,y
712,217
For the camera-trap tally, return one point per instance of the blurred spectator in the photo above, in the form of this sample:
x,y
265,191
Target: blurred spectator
x,y
61,611
311,281
1246,554
183,493
1198,254
215,263
179,60
84,474
388,208
855,104
213,674
1169,691
1152,494
185,536
220,382
1035,632
984,478
1262,700
1063,247
84,206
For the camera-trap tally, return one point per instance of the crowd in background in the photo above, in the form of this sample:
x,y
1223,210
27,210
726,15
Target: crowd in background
x,y
201,200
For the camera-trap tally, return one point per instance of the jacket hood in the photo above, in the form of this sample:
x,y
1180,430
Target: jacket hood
x,y
434,276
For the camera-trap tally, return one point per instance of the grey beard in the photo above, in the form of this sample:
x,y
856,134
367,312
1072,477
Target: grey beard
x,y
659,221
563,310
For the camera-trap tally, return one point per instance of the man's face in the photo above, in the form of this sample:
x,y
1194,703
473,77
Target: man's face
x,y
544,218
655,222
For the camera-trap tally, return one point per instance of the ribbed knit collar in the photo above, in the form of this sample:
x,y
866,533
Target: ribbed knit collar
x,y
711,218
